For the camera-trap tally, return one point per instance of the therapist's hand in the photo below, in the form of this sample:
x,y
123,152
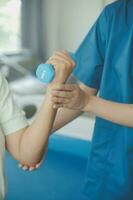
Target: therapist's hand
x,y
63,65
69,96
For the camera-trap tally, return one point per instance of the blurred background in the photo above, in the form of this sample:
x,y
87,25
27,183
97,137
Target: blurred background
x,y
30,31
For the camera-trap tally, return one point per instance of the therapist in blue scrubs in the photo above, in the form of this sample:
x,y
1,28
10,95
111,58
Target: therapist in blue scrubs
x,y
104,61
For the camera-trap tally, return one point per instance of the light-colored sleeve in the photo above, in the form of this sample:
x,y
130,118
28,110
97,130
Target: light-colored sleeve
x,y
12,118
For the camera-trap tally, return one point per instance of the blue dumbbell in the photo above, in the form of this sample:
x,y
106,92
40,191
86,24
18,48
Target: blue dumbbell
x,y
45,72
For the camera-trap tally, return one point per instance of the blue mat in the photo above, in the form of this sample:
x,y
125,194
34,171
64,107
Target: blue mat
x,y
61,176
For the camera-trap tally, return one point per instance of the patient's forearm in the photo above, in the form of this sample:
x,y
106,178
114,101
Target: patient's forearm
x,y
63,117
116,112
34,140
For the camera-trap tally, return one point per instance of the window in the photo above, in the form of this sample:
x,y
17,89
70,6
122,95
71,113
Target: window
x,y
10,36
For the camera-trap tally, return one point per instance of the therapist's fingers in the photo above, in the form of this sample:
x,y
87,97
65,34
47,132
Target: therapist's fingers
x,y
61,87
63,94
62,105
65,87
59,100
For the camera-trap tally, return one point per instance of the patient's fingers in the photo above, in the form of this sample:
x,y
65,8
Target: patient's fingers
x,y
38,165
29,168
25,167
62,55
20,165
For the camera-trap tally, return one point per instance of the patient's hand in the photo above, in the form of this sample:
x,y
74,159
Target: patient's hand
x,y
63,65
29,168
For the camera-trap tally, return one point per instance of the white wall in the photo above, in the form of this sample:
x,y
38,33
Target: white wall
x,y
66,22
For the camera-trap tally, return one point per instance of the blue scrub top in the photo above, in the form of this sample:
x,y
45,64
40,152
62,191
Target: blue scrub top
x,y
105,61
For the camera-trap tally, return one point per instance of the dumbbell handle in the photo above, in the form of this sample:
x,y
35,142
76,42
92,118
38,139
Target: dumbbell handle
x,y
45,72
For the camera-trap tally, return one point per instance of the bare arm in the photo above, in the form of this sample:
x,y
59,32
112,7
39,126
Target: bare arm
x,y
29,144
118,113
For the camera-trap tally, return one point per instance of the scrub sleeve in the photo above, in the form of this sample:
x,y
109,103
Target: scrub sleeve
x,y
90,54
